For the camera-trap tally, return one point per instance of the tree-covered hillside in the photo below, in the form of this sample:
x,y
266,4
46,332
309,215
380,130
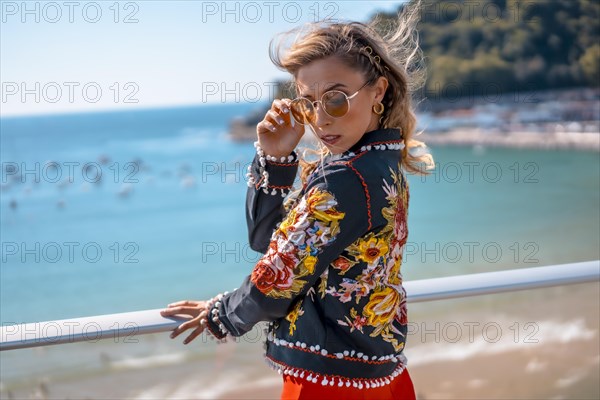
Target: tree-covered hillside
x,y
509,45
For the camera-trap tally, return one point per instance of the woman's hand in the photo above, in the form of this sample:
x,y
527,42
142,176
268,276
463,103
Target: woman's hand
x,y
276,135
196,309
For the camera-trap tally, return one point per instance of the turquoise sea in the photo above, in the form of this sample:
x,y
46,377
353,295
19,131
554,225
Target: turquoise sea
x,y
123,211
166,220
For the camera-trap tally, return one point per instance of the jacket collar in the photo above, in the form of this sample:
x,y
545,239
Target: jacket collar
x,y
375,137
371,138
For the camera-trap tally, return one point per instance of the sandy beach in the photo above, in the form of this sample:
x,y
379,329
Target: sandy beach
x,y
533,344
586,141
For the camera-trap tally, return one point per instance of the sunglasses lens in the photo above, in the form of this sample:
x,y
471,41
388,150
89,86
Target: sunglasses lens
x,y
302,110
335,103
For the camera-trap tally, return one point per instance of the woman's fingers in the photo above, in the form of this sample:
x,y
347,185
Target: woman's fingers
x,y
194,334
286,104
197,309
278,115
275,117
192,323
189,310
283,108
277,134
266,126
183,303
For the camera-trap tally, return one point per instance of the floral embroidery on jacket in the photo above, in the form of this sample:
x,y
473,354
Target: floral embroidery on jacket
x,y
294,246
293,315
381,280
369,250
355,322
342,264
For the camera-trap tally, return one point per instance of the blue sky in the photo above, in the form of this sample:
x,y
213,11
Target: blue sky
x,y
58,58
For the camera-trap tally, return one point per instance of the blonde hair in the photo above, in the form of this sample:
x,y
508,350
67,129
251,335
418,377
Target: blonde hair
x,y
399,60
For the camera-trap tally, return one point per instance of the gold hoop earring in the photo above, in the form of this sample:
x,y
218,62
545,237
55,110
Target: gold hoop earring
x,y
378,108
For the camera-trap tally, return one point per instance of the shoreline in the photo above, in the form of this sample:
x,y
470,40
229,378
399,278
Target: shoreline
x,y
478,137
557,119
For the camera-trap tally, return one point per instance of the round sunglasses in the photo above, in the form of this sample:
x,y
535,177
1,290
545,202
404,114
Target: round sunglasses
x,y
335,103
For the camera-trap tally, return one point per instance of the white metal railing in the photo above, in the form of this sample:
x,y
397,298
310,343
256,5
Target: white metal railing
x,y
150,321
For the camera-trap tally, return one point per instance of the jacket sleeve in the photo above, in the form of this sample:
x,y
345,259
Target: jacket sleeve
x,y
329,217
264,206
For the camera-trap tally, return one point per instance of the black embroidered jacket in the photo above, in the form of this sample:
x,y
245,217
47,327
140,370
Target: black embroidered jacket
x,y
330,279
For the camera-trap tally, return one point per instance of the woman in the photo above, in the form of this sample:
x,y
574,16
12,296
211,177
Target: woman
x,y
329,282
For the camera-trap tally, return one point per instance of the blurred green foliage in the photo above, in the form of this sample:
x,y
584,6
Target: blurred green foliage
x,y
508,45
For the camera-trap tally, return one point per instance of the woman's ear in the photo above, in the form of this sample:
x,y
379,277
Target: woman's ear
x,y
380,88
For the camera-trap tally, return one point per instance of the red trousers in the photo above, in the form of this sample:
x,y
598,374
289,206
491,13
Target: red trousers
x,y
401,388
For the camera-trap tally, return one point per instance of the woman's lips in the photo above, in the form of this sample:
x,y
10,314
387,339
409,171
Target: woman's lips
x,y
330,139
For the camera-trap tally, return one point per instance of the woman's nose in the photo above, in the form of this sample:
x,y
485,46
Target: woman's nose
x,y
321,117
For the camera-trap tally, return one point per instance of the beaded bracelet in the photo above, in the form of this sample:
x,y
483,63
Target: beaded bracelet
x,y
262,162
212,311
